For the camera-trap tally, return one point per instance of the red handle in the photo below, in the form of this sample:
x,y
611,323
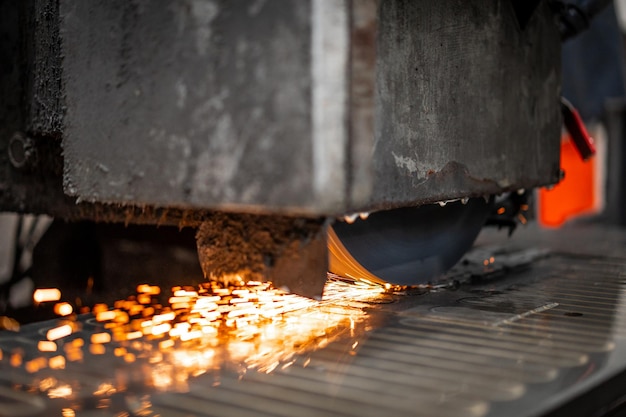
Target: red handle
x,y
576,128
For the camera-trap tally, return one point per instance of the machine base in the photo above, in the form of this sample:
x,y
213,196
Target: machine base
x,y
536,326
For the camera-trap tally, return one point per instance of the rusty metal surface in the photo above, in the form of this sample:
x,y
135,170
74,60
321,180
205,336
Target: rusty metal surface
x,y
205,103
306,108
290,252
31,108
458,107
527,333
44,94
310,107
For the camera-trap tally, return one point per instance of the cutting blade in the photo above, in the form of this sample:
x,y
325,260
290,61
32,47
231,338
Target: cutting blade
x,y
406,246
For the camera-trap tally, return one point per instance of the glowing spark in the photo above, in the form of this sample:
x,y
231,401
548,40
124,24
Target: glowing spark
x,y
78,342
75,356
47,383
177,331
196,334
42,295
144,298
241,301
100,338
256,325
149,289
105,389
59,332
68,412
185,293
181,299
46,346
160,329
8,323
207,300
35,365
133,335
166,344
60,391
57,362
63,309
350,218
121,317
98,308
97,349
160,318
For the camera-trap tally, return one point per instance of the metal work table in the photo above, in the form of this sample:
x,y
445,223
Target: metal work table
x,y
532,326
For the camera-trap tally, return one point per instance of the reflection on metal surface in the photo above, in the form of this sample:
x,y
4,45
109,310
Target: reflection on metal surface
x,y
210,330
493,347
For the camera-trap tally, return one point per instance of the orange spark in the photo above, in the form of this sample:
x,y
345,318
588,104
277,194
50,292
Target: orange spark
x,y
42,295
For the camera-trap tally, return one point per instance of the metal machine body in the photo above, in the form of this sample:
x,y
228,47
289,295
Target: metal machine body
x,y
169,111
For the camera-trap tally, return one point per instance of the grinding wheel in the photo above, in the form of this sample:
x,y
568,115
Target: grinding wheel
x,y
406,246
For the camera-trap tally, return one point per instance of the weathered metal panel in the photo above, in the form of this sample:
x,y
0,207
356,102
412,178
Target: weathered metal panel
x,y
42,68
467,101
189,103
316,107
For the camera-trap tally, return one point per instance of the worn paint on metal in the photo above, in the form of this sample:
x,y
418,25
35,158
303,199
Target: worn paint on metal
x,y
200,105
467,102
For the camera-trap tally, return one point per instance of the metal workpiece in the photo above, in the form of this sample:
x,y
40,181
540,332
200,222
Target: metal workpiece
x,y
308,108
192,99
534,327
159,113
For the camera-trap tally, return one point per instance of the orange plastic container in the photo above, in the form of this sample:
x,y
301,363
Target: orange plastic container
x,y
575,195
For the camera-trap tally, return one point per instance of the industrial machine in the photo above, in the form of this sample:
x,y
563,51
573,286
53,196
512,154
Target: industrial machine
x,y
380,129
276,140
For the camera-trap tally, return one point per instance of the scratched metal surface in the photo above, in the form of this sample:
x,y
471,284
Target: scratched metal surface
x,y
521,336
245,104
